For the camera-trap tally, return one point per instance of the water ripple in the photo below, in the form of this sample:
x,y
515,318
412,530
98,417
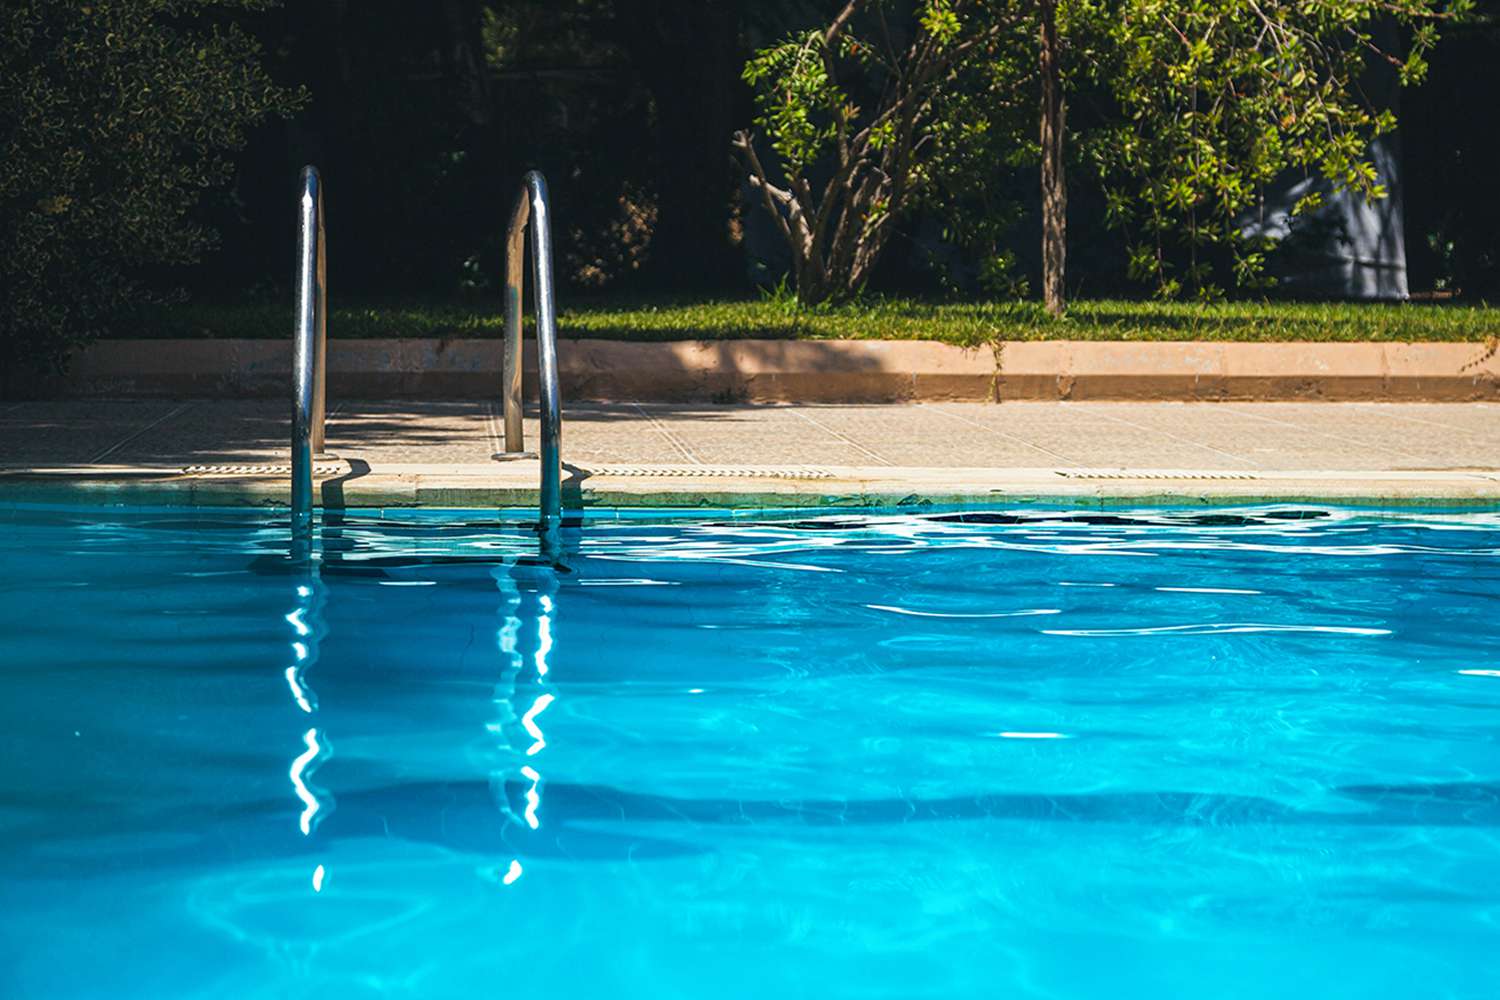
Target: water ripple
x,y
1218,628
961,614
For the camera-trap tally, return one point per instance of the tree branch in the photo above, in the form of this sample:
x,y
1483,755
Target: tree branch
x,y
841,22
772,194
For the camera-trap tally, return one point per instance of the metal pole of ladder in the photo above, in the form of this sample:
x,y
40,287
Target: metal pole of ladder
x,y
309,347
533,206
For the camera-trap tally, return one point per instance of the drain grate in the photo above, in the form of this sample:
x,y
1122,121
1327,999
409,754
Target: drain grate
x,y
710,472
257,470
1127,474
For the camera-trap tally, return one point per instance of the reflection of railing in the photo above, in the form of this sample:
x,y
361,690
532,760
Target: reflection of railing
x,y
534,206
309,349
308,629
522,695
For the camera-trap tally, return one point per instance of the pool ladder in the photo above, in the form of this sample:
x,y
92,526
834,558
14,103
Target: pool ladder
x,y
309,347
310,338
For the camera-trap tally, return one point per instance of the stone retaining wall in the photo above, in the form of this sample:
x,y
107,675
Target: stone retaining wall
x,y
833,371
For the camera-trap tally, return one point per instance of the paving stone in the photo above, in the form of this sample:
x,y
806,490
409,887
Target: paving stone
x,y
1292,449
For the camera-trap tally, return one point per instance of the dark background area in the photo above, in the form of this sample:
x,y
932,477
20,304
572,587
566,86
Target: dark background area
x,y
423,116
1450,136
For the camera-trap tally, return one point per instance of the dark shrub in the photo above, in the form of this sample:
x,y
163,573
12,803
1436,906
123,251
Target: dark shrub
x,y
115,116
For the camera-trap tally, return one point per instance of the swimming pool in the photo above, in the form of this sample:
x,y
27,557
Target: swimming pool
x,y
1019,752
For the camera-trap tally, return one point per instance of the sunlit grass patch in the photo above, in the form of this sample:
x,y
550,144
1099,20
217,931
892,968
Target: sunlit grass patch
x,y
964,323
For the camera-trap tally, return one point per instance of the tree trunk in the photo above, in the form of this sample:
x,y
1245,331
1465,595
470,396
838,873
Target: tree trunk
x,y
1054,187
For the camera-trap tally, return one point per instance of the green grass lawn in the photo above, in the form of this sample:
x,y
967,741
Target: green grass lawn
x,y
957,323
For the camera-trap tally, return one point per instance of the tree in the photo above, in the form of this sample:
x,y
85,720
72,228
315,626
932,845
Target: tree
x,y
1054,185
1215,99
1197,106
115,116
863,123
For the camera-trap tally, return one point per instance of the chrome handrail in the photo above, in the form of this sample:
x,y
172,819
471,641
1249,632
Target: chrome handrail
x,y
309,345
533,205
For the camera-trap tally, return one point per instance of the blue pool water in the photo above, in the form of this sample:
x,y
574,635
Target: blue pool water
x,y
1018,753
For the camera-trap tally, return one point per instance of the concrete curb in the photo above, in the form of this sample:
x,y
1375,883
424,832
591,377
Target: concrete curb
x,y
513,485
827,371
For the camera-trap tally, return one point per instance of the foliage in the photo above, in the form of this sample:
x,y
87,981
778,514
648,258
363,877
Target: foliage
x,y
1216,99
970,324
115,116
866,116
1196,107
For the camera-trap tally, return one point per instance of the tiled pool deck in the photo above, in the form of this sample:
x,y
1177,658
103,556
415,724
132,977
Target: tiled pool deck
x,y
440,454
